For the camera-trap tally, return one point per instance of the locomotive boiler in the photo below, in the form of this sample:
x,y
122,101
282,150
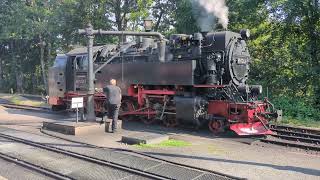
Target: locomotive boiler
x,y
193,80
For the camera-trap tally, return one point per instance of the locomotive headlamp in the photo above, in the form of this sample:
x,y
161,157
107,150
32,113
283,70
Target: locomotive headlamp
x,y
245,33
147,22
218,57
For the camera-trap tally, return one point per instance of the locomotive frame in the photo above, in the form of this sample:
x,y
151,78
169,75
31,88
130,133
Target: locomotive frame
x,y
193,80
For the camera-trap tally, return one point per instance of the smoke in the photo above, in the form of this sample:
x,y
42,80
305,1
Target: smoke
x,y
205,11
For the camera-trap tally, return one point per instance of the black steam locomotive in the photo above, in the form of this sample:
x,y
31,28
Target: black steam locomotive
x,y
193,80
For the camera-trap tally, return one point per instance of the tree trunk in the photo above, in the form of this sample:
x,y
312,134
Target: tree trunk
x,y
49,53
19,79
42,46
156,28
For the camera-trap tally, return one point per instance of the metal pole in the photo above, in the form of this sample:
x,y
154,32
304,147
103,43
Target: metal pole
x,y
77,114
90,106
89,32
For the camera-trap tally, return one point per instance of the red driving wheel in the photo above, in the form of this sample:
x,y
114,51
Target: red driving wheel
x,y
216,126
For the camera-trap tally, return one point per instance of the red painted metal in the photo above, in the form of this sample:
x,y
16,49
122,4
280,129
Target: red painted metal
x,y
55,101
158,92
244,129
247,118
244,118
142,93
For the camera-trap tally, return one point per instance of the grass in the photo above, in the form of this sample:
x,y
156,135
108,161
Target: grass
x,y
212,149
299,122
16,99
22,101
167,143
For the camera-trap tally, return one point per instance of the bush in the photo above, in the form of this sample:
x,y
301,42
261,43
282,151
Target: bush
x,y
296,108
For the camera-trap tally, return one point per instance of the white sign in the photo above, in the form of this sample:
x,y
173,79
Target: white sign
x,y
77,102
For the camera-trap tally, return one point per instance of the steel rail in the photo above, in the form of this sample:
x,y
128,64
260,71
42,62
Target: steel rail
x,y
295,129
298,139
26,107
296,134
87,158
288,144
34,167
149,156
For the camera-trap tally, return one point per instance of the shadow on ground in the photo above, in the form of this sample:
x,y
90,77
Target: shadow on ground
x,y
314,172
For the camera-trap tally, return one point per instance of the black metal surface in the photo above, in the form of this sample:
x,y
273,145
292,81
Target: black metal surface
x,y
187,109
237,57
147,73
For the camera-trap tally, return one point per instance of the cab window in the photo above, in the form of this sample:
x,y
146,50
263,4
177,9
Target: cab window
x,y
81,62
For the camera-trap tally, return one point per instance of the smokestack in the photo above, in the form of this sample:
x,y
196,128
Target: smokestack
x,y
205,11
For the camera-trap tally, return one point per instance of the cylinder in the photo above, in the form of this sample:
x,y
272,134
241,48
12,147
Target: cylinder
x,y
162,50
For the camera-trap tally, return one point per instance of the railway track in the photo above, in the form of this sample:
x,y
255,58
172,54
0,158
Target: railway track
x,y
34,167
143,155
147,174
83,157
25,107
302,138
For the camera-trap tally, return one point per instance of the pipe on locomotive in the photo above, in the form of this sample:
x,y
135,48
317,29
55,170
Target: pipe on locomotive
x,y
162,43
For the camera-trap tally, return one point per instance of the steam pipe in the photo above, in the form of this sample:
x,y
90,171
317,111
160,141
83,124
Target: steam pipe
x,y
162,44
132,33
158,35
125,33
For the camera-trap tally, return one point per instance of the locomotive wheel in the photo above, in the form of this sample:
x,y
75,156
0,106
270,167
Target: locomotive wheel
x,y
58,107
147,120
127,106
169,121
216,126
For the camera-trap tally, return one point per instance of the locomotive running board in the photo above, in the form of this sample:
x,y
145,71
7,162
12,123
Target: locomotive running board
x,y
245,129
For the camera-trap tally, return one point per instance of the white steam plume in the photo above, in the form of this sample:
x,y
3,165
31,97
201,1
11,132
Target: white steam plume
x,y
213,8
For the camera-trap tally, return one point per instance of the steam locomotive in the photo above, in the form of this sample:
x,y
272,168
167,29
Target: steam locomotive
x,y
193,80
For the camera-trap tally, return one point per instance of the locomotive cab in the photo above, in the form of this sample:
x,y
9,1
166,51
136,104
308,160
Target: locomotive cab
x,y
57,81
77,67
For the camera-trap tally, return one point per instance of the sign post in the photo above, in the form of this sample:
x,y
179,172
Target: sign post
x,y
76,103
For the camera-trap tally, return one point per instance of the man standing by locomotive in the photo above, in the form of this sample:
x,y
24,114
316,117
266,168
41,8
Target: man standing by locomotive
x,y
113,93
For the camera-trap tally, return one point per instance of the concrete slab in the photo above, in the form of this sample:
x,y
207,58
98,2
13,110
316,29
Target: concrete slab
x,y
144,138
73,128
